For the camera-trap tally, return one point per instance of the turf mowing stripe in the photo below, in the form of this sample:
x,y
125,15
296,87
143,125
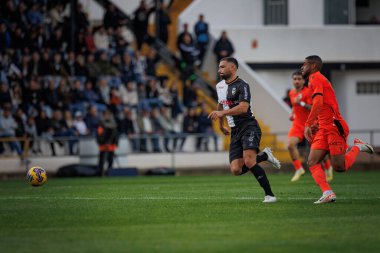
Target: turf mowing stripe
x,y
171,198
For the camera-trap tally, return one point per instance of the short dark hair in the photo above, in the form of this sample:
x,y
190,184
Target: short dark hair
x,y
232,60
297,73
316,60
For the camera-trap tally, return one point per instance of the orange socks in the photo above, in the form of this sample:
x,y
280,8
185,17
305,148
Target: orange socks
x,y
297,164
350,157
319,177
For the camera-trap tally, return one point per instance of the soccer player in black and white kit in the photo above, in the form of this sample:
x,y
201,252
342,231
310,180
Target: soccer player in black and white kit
x,y
234,99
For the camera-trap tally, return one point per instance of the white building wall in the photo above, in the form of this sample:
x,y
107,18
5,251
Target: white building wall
x,y
225,12
279,80
306,12
285,44
93,9
360,111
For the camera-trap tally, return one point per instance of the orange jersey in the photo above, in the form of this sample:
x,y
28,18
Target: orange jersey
x,y
329,112
300,113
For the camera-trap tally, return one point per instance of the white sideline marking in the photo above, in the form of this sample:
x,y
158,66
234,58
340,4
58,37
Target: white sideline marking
x,y
172,198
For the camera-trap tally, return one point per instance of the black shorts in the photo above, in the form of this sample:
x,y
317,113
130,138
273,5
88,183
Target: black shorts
x,y
243,138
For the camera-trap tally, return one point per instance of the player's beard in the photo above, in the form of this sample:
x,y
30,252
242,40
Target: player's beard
x,y
225,76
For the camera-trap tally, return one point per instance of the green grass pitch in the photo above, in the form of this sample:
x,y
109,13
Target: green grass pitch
x,y
189,214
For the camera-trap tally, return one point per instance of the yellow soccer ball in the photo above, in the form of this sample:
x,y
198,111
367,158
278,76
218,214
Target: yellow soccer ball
x,y
36,176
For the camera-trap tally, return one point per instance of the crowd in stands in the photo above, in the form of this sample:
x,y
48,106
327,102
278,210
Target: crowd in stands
x,y
54,90
193,47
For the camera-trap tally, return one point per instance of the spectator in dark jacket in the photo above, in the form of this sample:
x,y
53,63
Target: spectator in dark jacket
x,y
223,47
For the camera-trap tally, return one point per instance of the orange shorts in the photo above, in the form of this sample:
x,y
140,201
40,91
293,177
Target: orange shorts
x,y
297,130
332,139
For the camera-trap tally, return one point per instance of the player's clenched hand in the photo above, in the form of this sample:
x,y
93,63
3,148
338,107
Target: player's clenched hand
x,y
291,117
225,130
314,128
215,115
308,133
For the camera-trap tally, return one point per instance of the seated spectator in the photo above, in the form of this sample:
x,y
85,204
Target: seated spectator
x,y
151,63
157,129
45,66
89,40
5,38
104,90
56,15
79,125
128,68
61,129
80,68
57,41
5,95
35,64
205,129
101,39
25,67
115,100
152,92
190,123
90,95
35,15
139,63
33,95
92,119
176,106
127,127
45,130
16,95
77,94
69,64
19,39
103,65
146,129
131,96
189,94
31,133
64,96
8,127
50,95
170,133
58,67
92,67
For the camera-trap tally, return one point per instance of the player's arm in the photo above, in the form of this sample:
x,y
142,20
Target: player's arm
x,y
315,109
241,108
224,130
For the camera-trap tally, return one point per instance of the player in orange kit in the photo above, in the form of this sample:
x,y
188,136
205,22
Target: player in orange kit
x,y
300,99
331,135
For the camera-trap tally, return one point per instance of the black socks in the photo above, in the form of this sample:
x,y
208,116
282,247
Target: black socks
x,y
261,177
261,157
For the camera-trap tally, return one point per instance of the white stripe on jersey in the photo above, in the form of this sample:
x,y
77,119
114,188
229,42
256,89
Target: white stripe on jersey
x,y
221,90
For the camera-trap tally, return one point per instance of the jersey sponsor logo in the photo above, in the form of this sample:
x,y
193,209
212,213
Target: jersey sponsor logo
x,y
226,102
233,90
